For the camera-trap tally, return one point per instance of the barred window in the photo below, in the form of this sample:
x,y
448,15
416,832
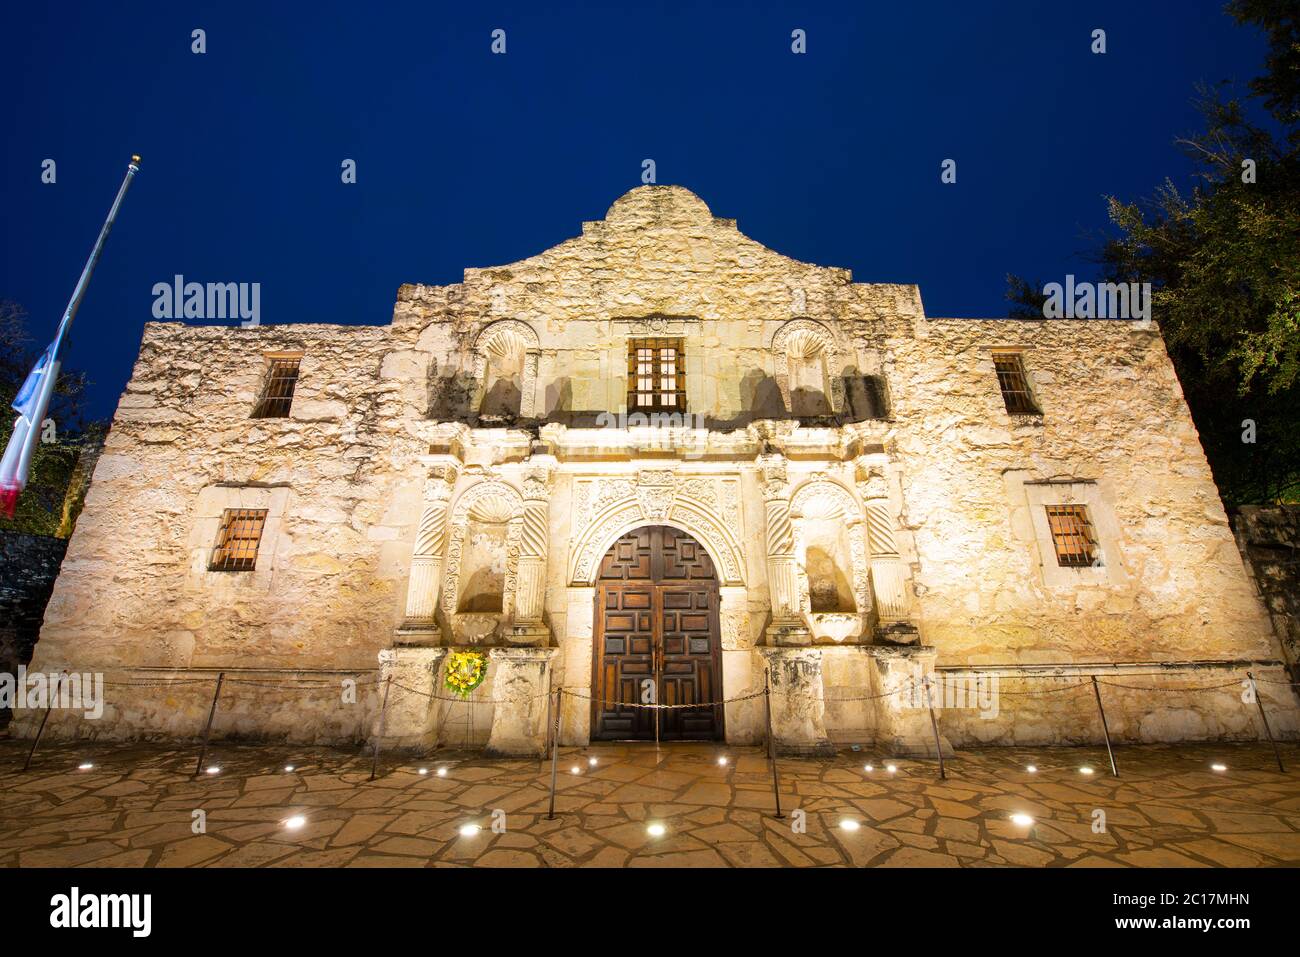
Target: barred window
x,y
1014,383
1076,547
277,393
237,541
656,376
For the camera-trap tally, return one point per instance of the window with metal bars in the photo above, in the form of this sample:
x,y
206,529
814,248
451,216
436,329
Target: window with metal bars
x,y
656,376
1014,384
237,540
1076,547
277,393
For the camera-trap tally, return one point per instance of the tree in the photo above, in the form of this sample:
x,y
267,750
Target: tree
x,y
1223,261
1026,298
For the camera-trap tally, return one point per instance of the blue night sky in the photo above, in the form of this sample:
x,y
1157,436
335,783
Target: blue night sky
x,y
465,158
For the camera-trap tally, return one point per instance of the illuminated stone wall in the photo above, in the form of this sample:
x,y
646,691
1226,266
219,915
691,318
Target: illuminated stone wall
x,y
452,480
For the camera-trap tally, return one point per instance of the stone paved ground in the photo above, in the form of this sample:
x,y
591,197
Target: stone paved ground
x,y
134,809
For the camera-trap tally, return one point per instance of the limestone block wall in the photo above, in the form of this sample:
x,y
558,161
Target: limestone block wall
x,y
1142,706
957,488
343,487
1172,588
1115,435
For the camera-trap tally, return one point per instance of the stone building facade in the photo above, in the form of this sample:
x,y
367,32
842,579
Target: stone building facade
x,y
660,461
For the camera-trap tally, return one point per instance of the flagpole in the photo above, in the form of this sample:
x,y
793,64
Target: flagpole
x,y
79,293
16,464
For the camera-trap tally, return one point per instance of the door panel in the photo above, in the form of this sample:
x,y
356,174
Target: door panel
x,y
625,649
657,620
689,669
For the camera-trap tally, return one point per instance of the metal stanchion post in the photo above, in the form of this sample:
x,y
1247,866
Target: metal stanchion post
x,y
1277,753
555,753
771,744
379,734
1105,728
207,729
934,724
45,717
546,742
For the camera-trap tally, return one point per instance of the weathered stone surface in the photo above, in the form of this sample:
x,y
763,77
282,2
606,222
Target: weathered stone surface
x,y
452,479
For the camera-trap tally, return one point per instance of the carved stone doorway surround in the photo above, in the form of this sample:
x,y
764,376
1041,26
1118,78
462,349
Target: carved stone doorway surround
x,y
707,506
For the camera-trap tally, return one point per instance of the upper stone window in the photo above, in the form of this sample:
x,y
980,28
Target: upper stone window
x,y
238,539
656,376
1072,535
277,391
1014,383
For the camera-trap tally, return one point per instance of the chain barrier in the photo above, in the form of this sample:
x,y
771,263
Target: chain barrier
x,y
661,707
931,689
434,696
1274,681
911,686
1044,691
1226,684
305,683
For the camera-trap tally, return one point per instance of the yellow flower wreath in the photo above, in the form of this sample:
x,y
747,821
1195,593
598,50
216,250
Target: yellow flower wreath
x,y
465,672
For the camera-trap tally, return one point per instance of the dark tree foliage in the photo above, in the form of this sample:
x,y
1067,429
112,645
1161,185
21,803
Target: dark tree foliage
x,y
1223,261
1026,298
41,506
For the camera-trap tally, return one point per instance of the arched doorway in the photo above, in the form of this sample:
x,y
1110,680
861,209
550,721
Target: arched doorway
x,y
656,639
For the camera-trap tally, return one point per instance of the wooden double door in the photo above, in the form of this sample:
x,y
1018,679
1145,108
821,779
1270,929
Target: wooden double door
x,y
656,640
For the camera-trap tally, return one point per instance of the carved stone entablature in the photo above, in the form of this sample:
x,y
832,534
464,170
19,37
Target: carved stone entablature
x,y
656,326
708,507
507,340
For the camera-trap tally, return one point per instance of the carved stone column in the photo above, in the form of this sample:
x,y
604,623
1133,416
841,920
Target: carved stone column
x,y
903,724
521,678
426,559
798,700
410,720
889,574
529,627
788,626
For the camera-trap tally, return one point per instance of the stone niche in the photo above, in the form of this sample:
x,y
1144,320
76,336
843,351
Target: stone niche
x,y
482,562
506,355
832,559
491,599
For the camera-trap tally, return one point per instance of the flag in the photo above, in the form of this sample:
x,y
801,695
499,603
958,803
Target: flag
x,y
31,404
33,399
25,401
